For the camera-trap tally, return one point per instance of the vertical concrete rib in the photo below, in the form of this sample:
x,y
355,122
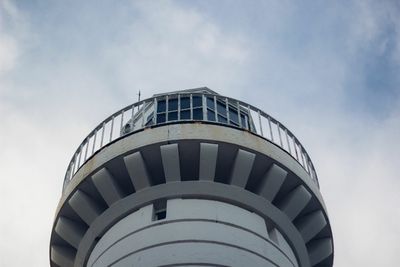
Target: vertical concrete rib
x,y
84,206
294,202
70,231
107,187
62,256
311,224
319,250
242,167
272,182
208,161
170,160
137,170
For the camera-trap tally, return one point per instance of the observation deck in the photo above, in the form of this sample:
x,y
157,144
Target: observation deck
x,y
191,144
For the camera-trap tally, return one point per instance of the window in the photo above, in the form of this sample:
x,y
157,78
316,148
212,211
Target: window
x,y
221,115
185,108
190,107
197,102
173,109
159,210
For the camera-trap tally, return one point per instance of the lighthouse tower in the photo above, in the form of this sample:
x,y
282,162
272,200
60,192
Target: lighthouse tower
x,y
191,178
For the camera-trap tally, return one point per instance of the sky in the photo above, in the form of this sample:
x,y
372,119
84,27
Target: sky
x,y
328,70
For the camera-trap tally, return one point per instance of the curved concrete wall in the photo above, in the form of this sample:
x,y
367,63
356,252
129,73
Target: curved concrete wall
x,y
194,232
184,131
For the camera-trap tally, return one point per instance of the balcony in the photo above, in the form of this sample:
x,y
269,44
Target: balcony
x,y
200,105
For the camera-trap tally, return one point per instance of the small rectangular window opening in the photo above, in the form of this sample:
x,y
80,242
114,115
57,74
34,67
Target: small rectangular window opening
x,y
160,210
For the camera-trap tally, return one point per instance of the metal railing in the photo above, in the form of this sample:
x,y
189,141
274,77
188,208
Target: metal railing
x,y
210,108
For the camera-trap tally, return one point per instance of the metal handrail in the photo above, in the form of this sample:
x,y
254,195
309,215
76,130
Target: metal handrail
x,y
257,121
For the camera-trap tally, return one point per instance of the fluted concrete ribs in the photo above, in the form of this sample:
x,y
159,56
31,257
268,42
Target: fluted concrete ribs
x,y
107,187
85,207
137,170
62,256
295,202
70,231
272,182
170,160
311,224
319,250
242,168
208,161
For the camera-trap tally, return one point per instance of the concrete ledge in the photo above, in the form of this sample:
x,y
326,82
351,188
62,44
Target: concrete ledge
x,y
189,131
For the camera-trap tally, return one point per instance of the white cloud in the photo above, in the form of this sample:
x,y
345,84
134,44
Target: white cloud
x,y
168,47
8,53
49,102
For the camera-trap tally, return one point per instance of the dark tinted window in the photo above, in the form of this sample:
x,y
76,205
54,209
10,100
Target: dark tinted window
x,y
221,108
185,115
173,104
233,116
161,105
210,115
197,101
221,119
185,102
172,116
161,118
198,114
210,103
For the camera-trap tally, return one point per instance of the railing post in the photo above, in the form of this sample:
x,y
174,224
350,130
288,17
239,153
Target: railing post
x,y
166,108
143,110
260,124
87,148
227,111
295,147
80,155
122,121
248,122
94,141
287,141
301,155
112,128
102,134
215,109
279,133
155,111
191,106
204,105
270,128
132,116
238,111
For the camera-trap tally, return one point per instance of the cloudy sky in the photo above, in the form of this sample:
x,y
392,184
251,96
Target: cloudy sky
x,y
330,71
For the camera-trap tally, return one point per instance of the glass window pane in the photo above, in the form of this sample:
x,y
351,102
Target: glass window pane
x,y
185,115
210,115
221,108
185,102
198,114
173,104
197,101
243,119
161,118
210,103
233,115
221,119
149,120
161,105
172,116
233,123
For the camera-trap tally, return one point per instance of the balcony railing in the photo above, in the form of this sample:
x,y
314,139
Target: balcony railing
x,y
181,107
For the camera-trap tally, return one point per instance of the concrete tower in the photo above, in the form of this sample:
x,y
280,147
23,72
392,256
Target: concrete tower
x,y
191,178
